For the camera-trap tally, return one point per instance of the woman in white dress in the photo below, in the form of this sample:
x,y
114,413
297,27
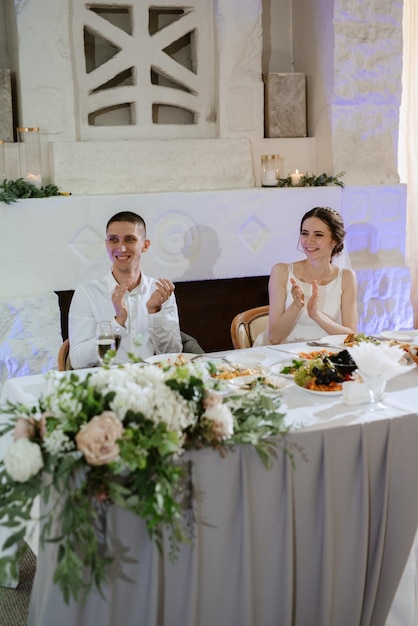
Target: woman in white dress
x,y
312,298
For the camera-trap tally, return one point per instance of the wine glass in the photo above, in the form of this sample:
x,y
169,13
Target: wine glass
x,y
118,334
376,385
105,342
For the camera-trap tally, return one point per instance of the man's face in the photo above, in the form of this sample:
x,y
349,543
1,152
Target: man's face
x,y
125,243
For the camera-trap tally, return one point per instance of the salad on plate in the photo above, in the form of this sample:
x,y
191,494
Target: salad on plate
x,y
321,375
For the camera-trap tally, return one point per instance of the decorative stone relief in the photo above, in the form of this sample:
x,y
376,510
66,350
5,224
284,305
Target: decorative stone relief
x,y
6,114
384,299
30,335
142,69
285,105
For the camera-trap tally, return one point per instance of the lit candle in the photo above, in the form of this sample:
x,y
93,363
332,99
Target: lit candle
x,y
296,178
34,179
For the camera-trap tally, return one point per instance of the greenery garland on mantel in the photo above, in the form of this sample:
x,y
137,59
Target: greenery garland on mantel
x,y
19,189
322,180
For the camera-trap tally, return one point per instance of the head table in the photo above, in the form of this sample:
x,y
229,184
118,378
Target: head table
x,y
322,544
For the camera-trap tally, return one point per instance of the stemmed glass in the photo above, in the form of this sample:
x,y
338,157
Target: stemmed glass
x,y
106,342
117,331
376,385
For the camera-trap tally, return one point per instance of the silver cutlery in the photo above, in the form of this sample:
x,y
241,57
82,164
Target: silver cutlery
x,y
322,344
276,349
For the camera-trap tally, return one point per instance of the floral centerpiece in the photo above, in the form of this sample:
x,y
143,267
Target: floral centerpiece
x,y
117,436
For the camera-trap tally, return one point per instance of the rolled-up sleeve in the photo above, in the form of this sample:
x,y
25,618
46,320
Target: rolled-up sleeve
x,y
164,328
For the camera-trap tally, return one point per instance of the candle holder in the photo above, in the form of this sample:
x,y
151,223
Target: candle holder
x,y
2,161
270,170
30,164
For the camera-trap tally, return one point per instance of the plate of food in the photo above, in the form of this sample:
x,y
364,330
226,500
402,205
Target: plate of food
x,y
172,358
316,354
287,368
229,371
403,336
245,383
335,340
323,392
352,339
319,376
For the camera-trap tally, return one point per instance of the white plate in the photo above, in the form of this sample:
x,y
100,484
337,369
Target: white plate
x,y
321,393
250,356
170,357
318,352
335,340
275,369
240,381
400,335
243,361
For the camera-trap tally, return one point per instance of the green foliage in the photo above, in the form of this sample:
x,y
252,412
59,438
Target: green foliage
x,y
14,190
146,473
313,181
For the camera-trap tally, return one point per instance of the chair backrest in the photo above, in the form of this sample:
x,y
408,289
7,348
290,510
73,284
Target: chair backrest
x,y
64,357
247,325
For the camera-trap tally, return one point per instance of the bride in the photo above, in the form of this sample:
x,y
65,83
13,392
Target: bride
x,y
313,297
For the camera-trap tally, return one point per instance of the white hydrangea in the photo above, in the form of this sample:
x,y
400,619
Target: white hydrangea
x,y
58,443
60,399
23,459
142,389
63,404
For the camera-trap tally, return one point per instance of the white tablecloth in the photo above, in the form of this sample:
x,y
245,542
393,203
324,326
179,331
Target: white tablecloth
x,y
324,544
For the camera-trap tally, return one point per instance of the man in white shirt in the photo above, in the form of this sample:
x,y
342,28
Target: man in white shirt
x,y
142,307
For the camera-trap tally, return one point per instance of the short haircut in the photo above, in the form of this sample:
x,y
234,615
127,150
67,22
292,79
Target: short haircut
x,y
128,216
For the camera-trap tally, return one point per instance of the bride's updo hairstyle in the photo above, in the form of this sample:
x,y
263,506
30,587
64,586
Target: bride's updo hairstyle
x,y
335,223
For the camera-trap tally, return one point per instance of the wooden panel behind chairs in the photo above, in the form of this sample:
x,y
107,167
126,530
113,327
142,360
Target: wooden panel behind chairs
x,y
206,307
247,325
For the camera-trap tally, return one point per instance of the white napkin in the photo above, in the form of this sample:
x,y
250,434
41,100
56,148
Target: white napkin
x,y
379,359
355,392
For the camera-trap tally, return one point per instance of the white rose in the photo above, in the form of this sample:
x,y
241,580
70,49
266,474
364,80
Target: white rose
x,y
23,460
222,419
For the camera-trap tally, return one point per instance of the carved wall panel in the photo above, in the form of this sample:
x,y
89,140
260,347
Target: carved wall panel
x,y
143,70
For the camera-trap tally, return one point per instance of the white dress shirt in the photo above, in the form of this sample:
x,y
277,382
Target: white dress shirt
x,y
92,302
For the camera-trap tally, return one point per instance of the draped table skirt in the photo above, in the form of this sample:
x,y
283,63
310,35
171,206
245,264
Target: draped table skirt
x,y
321,544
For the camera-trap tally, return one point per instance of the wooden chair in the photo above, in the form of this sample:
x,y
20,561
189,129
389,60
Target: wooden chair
x,y
247,325
64,357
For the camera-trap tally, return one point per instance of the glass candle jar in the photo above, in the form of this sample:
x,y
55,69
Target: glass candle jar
x,y
2,161
270,170
30,164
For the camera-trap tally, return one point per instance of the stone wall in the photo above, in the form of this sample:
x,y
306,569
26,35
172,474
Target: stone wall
x,y
351,52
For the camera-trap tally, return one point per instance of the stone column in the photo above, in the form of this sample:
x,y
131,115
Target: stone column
x,y
367,89
351,51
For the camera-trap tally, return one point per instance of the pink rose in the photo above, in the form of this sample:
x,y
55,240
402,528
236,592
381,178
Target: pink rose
x,y
97,440
25,428
211,399
42,423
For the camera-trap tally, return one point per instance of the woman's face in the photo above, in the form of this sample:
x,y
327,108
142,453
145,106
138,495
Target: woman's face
x,y
316,238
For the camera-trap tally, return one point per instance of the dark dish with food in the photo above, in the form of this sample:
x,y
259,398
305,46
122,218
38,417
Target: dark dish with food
x,y
343,363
